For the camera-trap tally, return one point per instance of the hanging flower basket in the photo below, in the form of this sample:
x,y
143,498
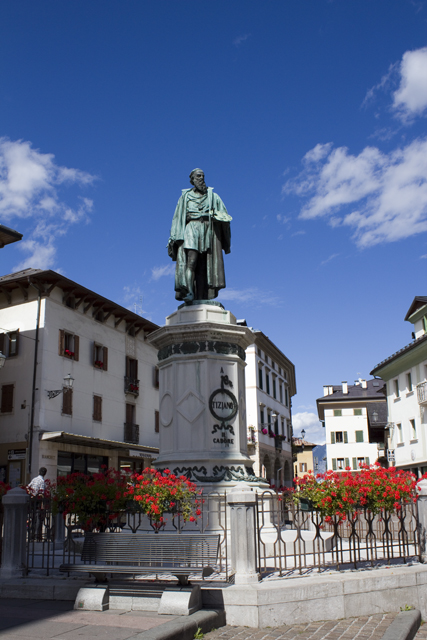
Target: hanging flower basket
x,y
264,431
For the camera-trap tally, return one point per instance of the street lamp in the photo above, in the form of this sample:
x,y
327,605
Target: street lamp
x,y
68,384
302,439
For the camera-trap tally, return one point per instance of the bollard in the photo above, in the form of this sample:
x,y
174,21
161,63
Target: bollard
x,y
15,505
242,501
422,518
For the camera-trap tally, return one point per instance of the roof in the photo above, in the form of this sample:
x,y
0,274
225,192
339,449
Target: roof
x,y
417,302
47,280
375,391
298,442
7,235
399,353
380,408
88,441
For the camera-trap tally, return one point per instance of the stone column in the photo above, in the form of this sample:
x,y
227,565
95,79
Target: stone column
x,y
242,500
422,518
15,504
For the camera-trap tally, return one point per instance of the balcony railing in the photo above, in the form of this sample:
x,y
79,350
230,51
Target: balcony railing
x,y
131,386
131,433
422,392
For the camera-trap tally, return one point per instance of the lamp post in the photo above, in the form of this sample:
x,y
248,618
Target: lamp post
x,y
68,384
302,439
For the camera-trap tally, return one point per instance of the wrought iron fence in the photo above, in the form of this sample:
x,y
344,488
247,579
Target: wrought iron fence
x,y
53,540
291,539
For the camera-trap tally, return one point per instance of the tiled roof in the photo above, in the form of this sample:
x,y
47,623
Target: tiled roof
x,y
374,390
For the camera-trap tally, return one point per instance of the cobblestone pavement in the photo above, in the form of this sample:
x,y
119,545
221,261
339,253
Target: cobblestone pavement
x,y
422,632
363,628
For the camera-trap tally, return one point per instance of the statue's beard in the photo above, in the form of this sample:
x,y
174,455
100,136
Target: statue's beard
x,y
200,185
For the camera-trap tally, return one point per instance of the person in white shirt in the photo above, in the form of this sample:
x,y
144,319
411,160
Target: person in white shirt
x,y
37,484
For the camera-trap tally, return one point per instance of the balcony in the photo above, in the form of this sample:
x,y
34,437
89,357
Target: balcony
x,y
132,386
422,393
131,433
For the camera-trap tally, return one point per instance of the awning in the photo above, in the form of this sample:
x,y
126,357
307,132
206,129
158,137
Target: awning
x,y
87,441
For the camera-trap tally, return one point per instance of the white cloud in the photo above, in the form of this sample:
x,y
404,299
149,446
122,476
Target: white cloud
x,y
410,98
383,84
30,185
314,432
132,299
238,41
166,270
252,295
383,197
331,257
298,233
424,257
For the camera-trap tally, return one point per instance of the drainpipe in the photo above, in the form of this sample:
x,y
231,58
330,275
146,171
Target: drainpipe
x,y
33,391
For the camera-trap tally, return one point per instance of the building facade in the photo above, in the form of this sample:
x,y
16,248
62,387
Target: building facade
x,y
54,330
405,374
270,386
303,457
354,417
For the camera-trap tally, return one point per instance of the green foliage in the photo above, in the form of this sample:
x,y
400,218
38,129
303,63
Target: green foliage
x,y
199,635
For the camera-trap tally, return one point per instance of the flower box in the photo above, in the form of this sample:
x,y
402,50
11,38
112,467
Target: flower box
x,y
99,364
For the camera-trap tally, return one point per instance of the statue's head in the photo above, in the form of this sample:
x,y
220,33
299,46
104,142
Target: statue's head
x,y
197,179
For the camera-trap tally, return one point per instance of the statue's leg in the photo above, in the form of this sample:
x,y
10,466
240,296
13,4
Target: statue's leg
x,y
190,273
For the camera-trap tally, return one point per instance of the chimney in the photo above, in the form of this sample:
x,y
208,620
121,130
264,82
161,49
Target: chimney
x,y
325,390
344,387
331,390
364,384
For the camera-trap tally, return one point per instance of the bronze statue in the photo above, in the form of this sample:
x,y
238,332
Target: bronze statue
x,y
199,234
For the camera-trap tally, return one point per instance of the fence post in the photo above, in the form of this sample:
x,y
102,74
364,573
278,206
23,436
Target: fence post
x,y
59,530
242,501
15,504
422,518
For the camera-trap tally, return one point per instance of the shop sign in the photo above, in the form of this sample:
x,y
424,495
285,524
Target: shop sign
x,y
137,454
16,454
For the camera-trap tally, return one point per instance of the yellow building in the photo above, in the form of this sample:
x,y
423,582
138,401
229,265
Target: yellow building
x,y
302,456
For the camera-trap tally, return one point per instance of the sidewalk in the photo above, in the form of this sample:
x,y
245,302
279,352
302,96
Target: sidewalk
x,y
363,628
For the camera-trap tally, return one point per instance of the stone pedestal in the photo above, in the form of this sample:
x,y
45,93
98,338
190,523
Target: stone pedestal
x,y
201,353
242,501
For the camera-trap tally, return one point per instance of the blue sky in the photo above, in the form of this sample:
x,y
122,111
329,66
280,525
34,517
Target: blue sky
x,y
309,120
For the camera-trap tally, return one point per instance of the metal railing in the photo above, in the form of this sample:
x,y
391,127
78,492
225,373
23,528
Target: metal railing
x,y
55,540
422,392
131,386
292,540
131,433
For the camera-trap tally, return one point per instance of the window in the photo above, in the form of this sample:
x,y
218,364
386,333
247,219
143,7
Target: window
x,y
260,378
286,397
359,436
409,381
100,356
67,401
71,462
99,315
399,432
357,412
259,352
283,429
340,464
156,381
413,429
337,413
267,382
70,302
280,393
9,342
425,324
131,377
266,358
97,408
396,388
131,432
339,437
156,422
68,345
7,398
261,416
130,413
274,388
303,467
361,461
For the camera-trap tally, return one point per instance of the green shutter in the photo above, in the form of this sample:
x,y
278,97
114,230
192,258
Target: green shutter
x,y
367,460
347,462
345,437
359,436
355,464
332,437
334,464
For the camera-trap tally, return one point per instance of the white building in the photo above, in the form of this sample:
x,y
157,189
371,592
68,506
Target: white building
x,y
405,373
354,417
270,385
52,327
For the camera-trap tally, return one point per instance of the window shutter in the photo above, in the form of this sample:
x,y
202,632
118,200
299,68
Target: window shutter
x,y
156,422
17,343
67,402
345,437
156,377
7,398
334,464
76,348
94,353
359,436
97,408
105,356
347,462
129,413
332,437
61,348
355,464
367,460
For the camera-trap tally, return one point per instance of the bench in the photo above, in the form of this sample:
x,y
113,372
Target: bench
x,y
137,553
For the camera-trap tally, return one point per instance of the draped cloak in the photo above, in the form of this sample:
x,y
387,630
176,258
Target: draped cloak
x,y
218,239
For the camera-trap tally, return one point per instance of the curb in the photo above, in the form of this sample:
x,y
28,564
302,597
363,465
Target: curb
x,y
185,629
404,626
